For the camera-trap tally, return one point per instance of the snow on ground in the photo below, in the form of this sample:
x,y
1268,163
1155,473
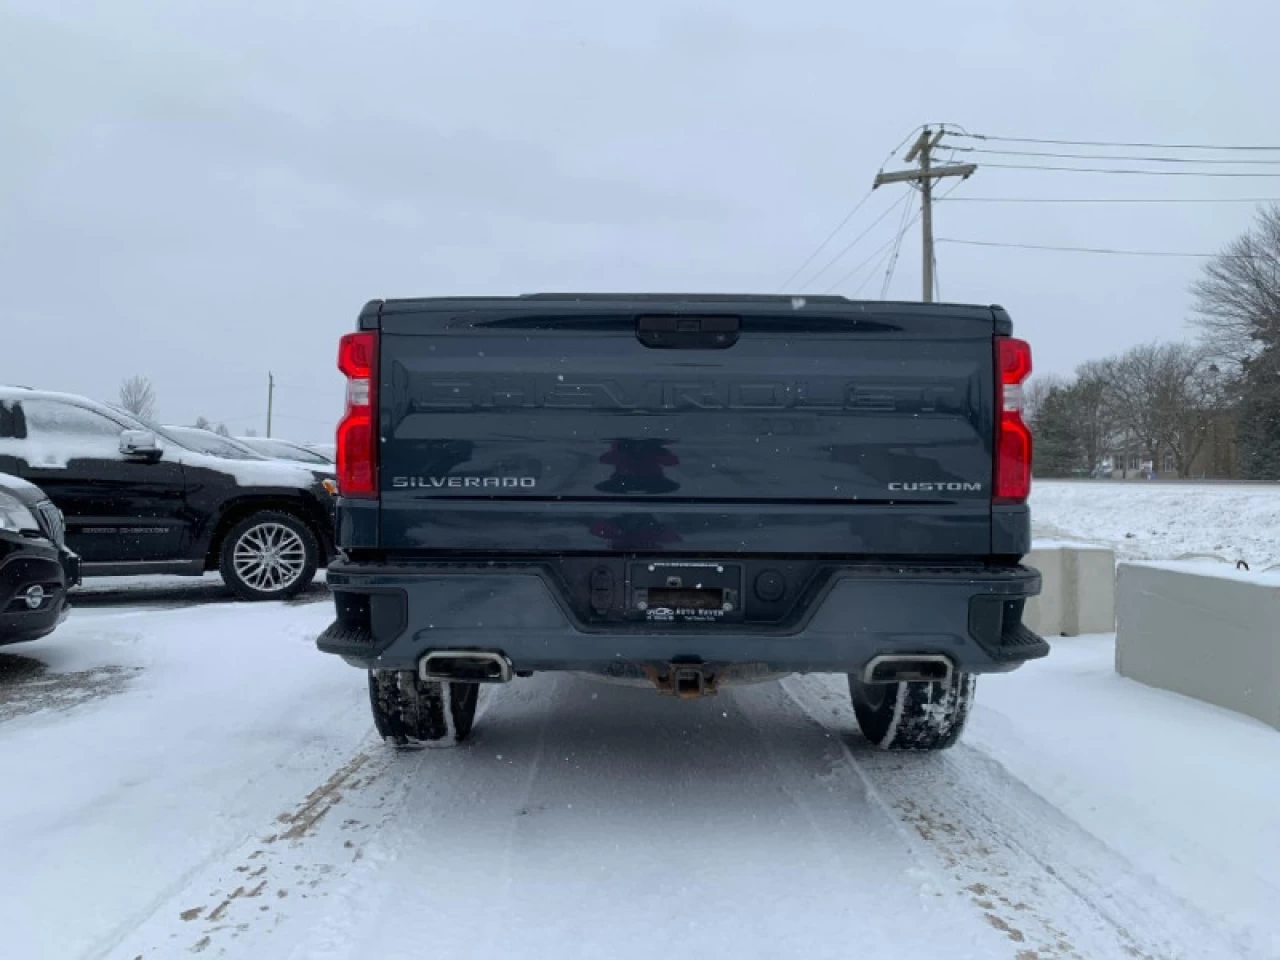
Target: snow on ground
x,y
224,796
171,584
168,590
1185,791
185,775
1163,521
114,798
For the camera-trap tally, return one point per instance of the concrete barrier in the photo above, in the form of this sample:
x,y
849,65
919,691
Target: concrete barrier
x,y
1078,594
1203,630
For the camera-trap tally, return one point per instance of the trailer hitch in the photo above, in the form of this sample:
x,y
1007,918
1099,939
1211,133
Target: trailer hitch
x,y
688,681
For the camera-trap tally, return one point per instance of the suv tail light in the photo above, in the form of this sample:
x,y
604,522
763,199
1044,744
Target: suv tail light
x,y
1013,437
357,432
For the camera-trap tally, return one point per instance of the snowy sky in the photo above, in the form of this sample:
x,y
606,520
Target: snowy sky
x,y
203,192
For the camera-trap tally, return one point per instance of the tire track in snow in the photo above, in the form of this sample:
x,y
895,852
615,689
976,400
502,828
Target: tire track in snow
x,y
327,859
422,774
741,823
295,859
163,907
328,935
224,904
283,869
535,767
1035,875
584,820
792,784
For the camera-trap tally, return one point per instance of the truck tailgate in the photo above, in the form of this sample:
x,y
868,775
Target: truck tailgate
x,y
693,426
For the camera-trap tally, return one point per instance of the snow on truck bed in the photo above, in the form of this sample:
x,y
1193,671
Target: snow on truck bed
x,y
201,782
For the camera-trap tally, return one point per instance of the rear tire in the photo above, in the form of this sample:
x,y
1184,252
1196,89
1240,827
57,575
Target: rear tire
x,y
269,555
913,715
407,709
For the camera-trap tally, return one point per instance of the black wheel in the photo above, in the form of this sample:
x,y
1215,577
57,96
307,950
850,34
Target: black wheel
x,y
914,715
269,555
407,709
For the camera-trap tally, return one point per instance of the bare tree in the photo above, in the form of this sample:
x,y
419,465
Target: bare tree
x,y
1130,398
1093,404
221,430
202,423
1237,299
1238,302
138,396
1165,395
1075,418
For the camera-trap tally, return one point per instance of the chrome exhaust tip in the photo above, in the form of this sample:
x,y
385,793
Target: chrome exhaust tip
x,y
465,666
908,667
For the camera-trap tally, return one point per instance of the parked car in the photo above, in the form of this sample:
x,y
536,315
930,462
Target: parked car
x,y
138,500
36,568
284,450
216,445
684,491
327,450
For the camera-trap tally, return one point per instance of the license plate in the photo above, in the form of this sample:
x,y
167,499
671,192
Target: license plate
x,y
681,591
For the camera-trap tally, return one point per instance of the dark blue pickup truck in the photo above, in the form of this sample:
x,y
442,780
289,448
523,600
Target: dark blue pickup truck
x,y
685,490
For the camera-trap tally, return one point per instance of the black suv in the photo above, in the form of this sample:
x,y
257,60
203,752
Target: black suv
x,y
137,500
36,568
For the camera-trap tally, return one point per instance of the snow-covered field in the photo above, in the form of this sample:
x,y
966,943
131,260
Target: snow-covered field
x,y
194,779
1163,521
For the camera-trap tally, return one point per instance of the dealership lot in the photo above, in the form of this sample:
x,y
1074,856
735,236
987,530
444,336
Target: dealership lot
x,y
197,777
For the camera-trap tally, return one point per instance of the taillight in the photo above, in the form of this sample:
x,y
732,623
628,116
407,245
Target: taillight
x,y
357,432
1013,437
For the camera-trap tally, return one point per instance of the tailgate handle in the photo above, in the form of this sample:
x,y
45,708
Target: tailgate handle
x,y
688,332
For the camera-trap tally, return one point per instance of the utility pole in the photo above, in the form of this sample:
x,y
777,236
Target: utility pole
x,y
924,175
271,392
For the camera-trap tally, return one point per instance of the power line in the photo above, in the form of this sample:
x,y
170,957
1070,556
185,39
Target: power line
x,y
858,206
1107,156
943,128
937,284
867,279
893,260
831,236
1115,200
915,131
1147,173
1106,250
862,263
1112,143
922,178
852,243
883,249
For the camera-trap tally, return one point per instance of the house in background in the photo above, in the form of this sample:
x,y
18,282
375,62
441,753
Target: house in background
x,y
1217,458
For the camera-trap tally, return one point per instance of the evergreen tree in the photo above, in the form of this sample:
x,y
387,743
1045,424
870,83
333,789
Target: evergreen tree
x,y
1060,447
1258,418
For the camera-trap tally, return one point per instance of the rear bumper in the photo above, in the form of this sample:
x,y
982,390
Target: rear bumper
x,y
389,616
